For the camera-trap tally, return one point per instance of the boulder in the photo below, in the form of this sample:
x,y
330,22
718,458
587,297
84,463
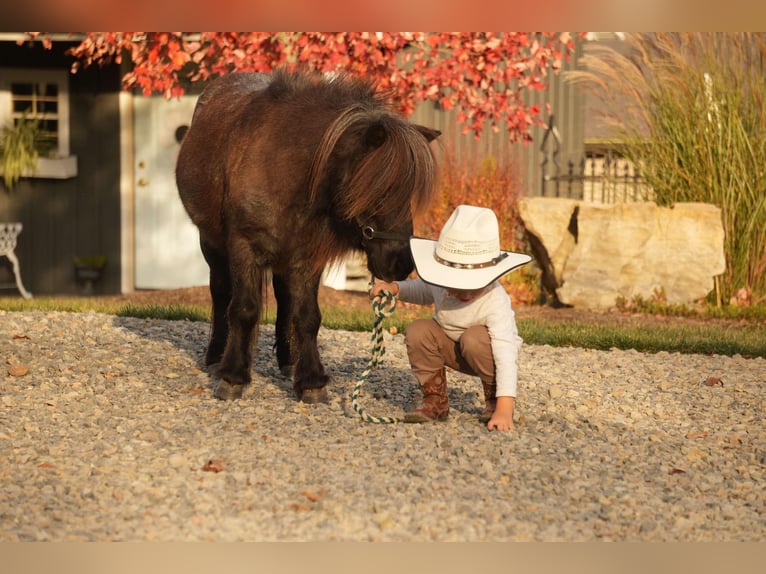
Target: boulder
x,y
590,254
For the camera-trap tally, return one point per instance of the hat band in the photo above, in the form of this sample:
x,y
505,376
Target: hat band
x,y
455,265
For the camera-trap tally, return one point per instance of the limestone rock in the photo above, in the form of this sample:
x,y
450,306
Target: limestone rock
x,y
593,253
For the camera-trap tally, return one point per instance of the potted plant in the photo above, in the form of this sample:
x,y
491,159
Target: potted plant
x,y
88,270
19,150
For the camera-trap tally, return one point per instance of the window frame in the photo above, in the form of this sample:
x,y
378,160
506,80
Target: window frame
x,y
59,164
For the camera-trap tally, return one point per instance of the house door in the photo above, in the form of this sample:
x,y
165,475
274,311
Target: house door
x,y
167,252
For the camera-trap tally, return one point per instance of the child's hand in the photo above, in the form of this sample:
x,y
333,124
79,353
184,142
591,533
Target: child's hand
x,y
500,423
379,286
502,418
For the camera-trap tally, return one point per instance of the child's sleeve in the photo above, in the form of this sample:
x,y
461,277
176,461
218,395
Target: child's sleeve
x,y
415,291
506,344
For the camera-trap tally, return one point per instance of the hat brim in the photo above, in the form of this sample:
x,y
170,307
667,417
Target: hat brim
x,y
431,271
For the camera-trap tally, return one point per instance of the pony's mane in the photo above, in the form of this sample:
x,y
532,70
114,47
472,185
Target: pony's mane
x,y
334,87
394,178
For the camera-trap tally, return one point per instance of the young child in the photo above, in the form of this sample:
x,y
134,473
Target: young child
x,y
473,329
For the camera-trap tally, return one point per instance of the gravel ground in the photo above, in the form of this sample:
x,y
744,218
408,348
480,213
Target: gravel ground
x,y
109,432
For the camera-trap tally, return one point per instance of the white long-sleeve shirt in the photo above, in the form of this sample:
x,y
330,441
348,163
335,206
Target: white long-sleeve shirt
x,y
492,309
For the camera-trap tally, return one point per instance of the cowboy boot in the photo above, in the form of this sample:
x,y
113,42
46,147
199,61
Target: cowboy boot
x,y
490,401
435,403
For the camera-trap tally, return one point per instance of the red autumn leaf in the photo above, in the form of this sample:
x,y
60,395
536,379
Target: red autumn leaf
x,y
17,337
676,471
213,465
713,381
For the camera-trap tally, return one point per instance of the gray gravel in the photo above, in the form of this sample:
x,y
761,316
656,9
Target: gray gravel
x,y
113,434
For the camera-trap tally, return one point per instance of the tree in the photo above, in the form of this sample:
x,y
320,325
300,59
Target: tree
x,y
483,75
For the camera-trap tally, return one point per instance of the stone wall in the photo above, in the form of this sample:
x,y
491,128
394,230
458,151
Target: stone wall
x,y
591,254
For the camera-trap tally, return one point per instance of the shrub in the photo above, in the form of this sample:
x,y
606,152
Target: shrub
x,y
484,183
691,108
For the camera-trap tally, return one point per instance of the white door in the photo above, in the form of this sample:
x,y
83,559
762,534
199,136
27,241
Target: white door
x,y
167,252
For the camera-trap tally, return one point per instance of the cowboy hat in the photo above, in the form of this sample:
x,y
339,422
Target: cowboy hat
x,y
467,255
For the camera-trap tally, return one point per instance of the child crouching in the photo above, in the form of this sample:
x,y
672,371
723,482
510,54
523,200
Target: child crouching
x,y
473,329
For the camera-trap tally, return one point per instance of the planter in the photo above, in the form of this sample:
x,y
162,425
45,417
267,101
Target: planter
x,y
88,270
51,168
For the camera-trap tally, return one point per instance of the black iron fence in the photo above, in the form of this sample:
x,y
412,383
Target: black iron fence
x,y
599,176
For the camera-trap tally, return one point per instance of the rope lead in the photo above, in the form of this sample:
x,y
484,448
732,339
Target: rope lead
x,y
383,305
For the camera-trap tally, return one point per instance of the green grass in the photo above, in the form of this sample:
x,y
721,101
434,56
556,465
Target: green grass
x,y
165,312
748,340
743,337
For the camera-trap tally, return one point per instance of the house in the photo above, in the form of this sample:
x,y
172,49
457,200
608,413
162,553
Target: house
x,y
109,187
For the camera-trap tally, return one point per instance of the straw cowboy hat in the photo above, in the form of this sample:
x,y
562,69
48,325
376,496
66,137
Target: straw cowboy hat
x,y
467,254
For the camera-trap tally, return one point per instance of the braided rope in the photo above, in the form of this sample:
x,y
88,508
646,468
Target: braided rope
x,y
383,305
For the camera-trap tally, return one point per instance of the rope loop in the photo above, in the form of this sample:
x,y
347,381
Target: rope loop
x,y
383,305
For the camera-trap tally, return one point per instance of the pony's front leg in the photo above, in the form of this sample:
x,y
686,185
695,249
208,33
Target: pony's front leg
x,y
244,313
285,338
309,378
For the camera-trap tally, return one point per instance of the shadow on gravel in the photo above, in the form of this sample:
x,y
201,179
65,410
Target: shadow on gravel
x,y
391,385
191,338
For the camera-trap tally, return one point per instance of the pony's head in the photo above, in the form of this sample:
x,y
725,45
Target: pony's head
x,y
387,172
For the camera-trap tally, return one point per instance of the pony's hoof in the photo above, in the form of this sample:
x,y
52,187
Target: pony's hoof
x,y
227,391
314,396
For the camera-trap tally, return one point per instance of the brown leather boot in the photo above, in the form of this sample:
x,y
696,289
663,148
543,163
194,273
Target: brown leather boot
x,y
435,403
490,401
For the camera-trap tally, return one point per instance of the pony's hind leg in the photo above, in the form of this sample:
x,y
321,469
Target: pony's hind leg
x,y
220,293
244,313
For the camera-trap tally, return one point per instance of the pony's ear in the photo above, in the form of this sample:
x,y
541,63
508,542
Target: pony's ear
x,y
430,134
376,135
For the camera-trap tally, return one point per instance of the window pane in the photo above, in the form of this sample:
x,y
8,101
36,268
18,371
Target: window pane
x,y
49,126
22,89
51,90
21,106
48,107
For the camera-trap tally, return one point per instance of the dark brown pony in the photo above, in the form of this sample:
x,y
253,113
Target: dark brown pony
x,y
285,173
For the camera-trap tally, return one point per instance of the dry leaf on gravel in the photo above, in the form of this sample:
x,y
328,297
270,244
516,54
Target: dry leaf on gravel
x,y
713,381
18,370
311,496
213,465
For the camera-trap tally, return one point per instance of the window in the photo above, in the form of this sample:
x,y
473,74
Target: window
x,y
38,101
41,94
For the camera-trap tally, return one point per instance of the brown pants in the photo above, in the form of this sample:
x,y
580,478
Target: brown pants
x,y
429,349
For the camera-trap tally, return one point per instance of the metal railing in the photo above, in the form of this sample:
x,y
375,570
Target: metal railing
x,y
599,177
